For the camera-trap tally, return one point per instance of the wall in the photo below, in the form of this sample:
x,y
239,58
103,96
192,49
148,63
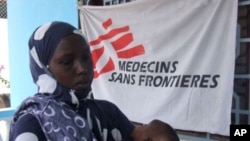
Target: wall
x,y
23,17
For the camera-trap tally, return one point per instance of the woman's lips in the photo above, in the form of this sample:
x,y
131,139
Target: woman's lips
x,y
81,85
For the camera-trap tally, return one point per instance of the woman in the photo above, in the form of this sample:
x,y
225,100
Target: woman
x,y
61,67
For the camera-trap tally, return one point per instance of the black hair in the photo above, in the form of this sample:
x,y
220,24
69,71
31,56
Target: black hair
x,y
168,129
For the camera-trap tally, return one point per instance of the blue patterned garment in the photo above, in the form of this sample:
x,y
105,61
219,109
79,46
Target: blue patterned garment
x,y
59,113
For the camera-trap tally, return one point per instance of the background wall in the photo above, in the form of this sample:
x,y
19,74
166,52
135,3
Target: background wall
x,y
23,17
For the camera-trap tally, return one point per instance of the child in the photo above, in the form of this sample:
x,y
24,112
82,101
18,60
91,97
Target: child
x,y
157,130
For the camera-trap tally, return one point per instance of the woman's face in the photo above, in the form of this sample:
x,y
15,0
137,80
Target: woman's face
x,y
71,64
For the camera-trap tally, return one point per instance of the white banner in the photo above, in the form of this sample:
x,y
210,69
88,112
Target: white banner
x,y
171,60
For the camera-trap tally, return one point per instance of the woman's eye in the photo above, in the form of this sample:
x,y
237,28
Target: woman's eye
x,y
66,62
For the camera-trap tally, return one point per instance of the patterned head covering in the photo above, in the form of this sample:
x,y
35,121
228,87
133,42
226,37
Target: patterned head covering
x,y
52,105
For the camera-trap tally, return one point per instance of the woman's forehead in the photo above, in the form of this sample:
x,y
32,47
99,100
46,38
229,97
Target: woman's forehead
x,y
72,43
73,40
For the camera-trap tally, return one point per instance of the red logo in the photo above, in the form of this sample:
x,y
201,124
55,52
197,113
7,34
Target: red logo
x,y
121,46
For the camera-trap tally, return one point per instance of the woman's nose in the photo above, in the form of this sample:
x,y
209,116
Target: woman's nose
x,y
80,67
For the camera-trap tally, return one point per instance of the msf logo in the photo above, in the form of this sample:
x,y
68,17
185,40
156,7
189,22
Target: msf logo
x,y
118,42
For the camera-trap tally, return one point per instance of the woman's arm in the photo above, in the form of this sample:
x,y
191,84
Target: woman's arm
x,y
27,128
